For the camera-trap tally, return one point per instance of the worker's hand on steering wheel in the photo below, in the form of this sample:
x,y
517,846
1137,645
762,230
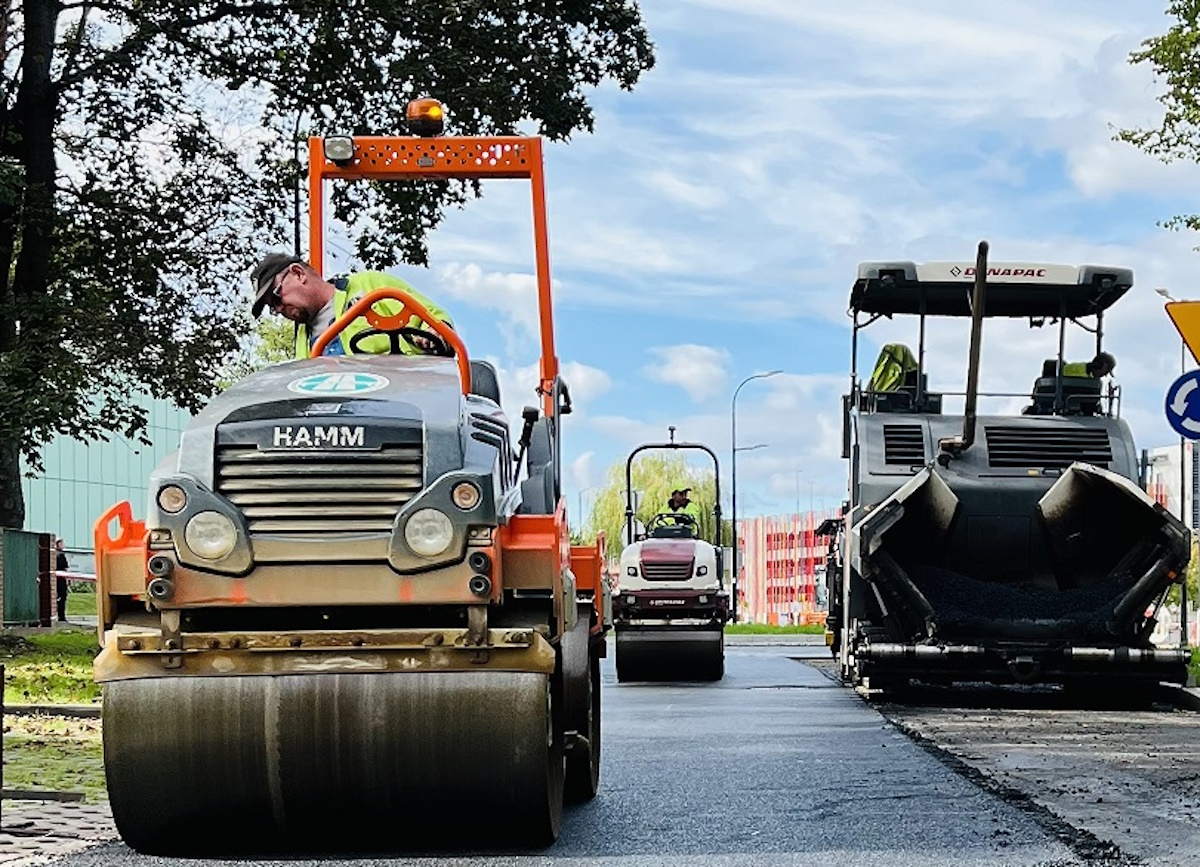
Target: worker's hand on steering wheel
x,y
425,344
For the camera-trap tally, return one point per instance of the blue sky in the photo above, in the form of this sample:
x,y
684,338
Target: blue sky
x,y
711,227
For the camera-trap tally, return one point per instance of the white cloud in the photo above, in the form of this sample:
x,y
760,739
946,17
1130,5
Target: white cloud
x,y
698,370
514,296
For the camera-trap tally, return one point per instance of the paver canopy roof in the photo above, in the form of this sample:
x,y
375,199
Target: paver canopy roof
x,y
1013,288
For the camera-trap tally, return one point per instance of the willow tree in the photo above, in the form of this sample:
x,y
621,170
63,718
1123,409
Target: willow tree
x,y
1175,58
148,153
655,476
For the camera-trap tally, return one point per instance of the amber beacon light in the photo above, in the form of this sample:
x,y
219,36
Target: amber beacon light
x,y
426,117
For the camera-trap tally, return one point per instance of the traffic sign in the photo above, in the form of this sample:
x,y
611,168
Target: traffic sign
x,y
1183,405
1186,316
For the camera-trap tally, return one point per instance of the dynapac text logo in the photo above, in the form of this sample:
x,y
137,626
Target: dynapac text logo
x,y
334,436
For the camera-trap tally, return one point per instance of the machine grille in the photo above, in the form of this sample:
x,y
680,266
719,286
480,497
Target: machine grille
x,y
495,434
1047,447
667,571
317,492
903,444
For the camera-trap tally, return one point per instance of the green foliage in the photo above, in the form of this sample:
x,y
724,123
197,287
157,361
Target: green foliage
x,y
1175,59
272,341
50,668
81,603
768,629
57,754
655,474
1193,574
151,150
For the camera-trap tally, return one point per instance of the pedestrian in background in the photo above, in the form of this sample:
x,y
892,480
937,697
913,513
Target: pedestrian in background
x,y
61,565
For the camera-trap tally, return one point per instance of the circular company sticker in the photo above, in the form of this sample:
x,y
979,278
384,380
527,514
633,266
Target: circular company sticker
x,y
337,383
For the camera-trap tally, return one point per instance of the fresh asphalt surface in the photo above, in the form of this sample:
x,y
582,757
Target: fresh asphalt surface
x,y
776,764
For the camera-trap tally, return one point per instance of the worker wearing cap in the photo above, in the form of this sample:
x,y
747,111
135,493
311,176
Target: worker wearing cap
x,y
681,504
290,287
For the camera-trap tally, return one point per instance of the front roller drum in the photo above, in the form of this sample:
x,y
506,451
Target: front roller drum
x,y
670,654
352,762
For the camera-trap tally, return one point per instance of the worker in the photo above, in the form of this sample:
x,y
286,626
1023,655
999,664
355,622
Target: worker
x,y
290,287
892,367
681,504
1102,365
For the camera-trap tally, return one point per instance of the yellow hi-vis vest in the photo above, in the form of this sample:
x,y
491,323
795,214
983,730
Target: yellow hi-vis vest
x,y
350,289
690,509
895,360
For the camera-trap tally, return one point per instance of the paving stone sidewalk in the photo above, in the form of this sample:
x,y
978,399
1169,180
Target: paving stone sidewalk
x,y
32,832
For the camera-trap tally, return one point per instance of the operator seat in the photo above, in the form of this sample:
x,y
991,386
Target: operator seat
x,y
1081,394
484,381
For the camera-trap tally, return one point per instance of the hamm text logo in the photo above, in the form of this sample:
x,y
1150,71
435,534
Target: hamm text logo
x,y
319,437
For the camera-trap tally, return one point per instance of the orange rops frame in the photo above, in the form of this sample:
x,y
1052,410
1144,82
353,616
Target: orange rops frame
x,y
396,157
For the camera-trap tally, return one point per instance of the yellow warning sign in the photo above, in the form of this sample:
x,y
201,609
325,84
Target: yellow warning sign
x,y
1186,316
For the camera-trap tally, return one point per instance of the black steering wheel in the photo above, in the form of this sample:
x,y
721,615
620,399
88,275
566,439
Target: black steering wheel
x,y
670,519
396,335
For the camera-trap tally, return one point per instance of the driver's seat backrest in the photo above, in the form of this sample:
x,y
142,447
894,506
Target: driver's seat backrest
x,y
537,491
484,381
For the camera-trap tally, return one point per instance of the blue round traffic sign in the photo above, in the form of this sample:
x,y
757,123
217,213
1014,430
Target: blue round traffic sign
x,y
1183,405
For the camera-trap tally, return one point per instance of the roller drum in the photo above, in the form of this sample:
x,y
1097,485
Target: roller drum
x,y
670,654
342,761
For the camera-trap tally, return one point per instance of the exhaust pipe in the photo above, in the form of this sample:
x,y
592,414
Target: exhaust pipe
x,y
954,447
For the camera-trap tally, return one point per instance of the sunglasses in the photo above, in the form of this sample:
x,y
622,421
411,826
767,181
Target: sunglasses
x,y
275,299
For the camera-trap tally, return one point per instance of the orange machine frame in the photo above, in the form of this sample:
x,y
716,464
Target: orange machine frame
x,y
470,158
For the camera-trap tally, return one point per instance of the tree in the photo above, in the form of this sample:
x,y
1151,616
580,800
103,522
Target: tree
x,y
148,154
1174,57
655,475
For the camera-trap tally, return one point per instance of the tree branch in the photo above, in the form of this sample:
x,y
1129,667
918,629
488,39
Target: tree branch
x,y
138,41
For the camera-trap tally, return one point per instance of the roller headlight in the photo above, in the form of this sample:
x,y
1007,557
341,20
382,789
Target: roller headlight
x,y
172,499
428,532
465,495
339,149
210,535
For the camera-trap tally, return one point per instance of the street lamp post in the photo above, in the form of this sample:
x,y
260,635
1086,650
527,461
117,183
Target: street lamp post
x,y
1183,617
582,491
733,479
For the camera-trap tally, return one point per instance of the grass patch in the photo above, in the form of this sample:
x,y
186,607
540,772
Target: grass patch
x,y
81,603
768,629
58,754
50,668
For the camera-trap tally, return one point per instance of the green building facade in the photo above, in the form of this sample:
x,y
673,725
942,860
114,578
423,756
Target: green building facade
x,y
80,480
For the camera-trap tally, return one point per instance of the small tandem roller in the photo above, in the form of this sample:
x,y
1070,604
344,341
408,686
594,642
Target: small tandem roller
x,y
353,613
669,614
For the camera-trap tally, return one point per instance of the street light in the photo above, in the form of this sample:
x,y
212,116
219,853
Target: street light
x,y
733,478
1183,624
582,491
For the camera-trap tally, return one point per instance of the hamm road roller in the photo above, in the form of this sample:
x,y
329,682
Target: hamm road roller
x,y
671,606
353,617
1008,548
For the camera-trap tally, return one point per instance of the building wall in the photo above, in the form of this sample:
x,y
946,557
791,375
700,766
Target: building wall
x,y
80,480
1163,480
783,563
